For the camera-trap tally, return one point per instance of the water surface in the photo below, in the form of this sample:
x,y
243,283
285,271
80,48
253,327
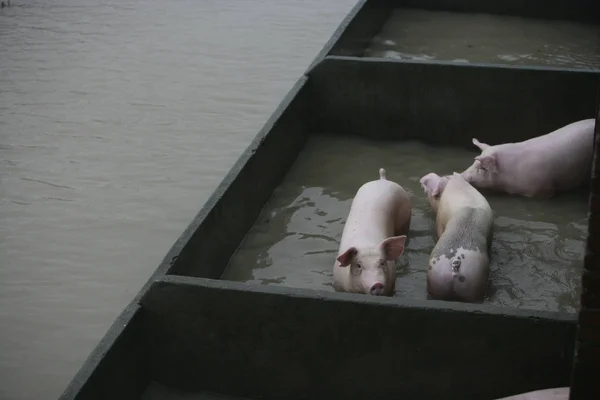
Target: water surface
x,y
117,121
411,34
537,250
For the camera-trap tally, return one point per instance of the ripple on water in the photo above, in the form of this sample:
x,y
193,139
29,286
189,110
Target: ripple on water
x,y
310,226
536,252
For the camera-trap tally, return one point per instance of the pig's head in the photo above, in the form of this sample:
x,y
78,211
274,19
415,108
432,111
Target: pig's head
x,y
433,185
372,269
483,173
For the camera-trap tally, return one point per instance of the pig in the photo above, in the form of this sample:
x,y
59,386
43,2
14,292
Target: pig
x,y
459,263
373,239
539,167
561,393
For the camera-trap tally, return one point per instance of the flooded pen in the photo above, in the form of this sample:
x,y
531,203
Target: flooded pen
x,y
537,248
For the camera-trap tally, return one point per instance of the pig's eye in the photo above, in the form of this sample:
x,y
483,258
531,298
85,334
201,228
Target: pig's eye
x,y
382,262
358,265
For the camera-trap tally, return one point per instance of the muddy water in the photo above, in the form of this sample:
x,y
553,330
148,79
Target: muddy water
x,y
484,38
536,253
118,118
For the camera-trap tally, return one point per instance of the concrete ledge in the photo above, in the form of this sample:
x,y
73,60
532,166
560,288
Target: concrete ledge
x,y
447,104
265,342
236,203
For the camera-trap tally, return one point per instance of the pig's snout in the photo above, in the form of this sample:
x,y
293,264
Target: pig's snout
x,y
377,289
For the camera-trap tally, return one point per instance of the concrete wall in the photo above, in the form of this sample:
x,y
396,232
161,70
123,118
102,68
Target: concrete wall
x,y
217,230
447,104
370,15
586,366
195,335
272,343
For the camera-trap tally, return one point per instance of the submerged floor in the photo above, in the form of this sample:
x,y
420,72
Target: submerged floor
x,y
537,250
484,38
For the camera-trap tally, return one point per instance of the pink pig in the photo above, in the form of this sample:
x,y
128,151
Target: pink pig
x,y
538,167
373,238
459,264
561,393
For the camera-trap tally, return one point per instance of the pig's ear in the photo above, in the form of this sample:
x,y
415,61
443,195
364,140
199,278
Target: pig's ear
x,y
433,184
482,146
437,187
393,247
441,185
346,257
488,162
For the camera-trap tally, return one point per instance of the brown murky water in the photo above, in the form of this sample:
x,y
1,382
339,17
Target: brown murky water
x,y
118,118
483,38
537,249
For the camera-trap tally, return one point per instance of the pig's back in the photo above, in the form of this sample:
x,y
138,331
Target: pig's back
x,y
565,155
374,211
572,139
459,194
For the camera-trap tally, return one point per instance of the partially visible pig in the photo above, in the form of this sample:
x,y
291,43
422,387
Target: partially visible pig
x,y
539,167
561,393
373,238
459,263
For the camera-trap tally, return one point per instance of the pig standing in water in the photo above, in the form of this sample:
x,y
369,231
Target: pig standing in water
x,y
373,238
538,167
545,394
459,263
